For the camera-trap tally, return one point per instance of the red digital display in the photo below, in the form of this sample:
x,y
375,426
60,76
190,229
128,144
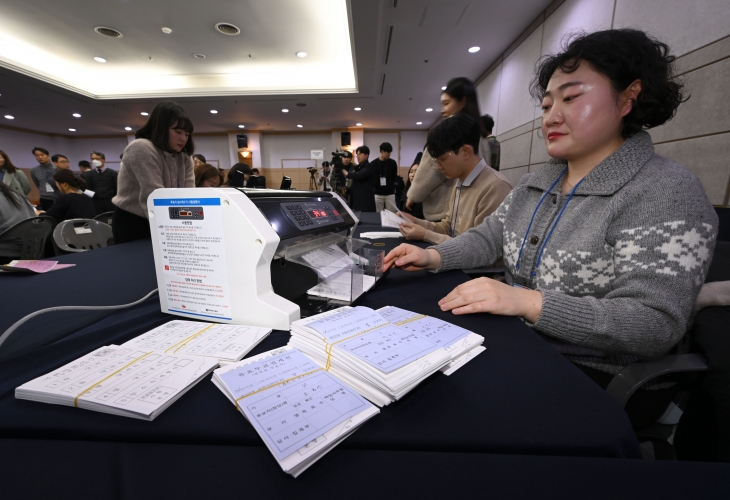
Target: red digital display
x,y
317,214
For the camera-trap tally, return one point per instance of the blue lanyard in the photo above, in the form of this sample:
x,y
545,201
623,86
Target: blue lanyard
x,y
455,213
544,243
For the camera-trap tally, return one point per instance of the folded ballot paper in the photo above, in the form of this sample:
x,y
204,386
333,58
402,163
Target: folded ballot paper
x,y
121,381
389,219
224,342
299,410
380,360
461,344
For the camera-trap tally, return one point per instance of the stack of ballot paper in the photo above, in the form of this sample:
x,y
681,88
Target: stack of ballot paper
x,y
380,360
121,381
389,219
461,344
224,342
299,410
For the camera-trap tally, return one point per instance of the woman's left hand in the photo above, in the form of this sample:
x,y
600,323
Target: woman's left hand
x,y
492,296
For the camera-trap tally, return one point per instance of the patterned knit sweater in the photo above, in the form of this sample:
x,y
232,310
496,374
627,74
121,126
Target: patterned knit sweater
x,y
624,264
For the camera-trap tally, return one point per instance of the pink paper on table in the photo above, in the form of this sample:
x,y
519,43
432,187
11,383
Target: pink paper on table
x,y
39,266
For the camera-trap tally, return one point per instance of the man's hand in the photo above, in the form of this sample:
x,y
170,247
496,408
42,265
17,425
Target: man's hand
x,y
412,232
488,295
407,217
412,258
409,205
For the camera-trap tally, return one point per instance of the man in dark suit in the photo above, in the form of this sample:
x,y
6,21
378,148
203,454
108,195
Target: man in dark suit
x,y
363,181
102,181
257,180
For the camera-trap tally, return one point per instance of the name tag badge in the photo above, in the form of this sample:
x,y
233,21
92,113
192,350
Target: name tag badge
x,y
383,182
523,283
49,189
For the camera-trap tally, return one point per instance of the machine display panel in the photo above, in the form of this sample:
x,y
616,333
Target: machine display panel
x,y
311,214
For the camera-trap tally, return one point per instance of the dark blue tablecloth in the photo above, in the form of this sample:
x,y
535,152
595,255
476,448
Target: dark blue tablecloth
x,y
494,427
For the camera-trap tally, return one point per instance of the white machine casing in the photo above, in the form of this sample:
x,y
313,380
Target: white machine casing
x,y
250,245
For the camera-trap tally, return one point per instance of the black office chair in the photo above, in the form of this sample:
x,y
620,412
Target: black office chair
x,y
81,235
106,217
285,183
32,234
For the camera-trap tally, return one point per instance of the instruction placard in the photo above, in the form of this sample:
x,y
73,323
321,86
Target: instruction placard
x,y
193,259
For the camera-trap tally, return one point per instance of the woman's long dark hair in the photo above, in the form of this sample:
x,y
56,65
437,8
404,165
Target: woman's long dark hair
x,y
462,88
8,165
11,195
157,129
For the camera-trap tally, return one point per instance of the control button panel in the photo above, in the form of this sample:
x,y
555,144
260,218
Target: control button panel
x,y
311,214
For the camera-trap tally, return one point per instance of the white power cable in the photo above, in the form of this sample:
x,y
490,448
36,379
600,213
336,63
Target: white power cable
x,y
18,323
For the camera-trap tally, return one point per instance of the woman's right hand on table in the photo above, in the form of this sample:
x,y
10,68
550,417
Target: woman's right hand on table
x,y
412,258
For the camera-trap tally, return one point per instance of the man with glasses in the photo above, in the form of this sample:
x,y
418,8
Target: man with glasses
x,y
479,190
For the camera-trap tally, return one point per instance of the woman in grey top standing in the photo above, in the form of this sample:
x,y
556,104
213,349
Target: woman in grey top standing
x,y
159,157
12,176
606,246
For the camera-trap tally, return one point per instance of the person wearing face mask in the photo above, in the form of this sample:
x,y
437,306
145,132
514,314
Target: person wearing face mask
x,y
159,157
102,181
430,187
42,176
605,247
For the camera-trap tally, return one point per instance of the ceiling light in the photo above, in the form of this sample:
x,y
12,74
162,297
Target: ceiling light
x,y
214,111
284,110
443,88
301,54
419,123
199,56
110,32
428,110
359,124
242,126
100,59
227,29
358,109
474,49
127,128
166,31
300,126
144,113
72,130
76,115
10,117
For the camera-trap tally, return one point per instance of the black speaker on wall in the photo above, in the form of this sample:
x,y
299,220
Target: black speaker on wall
x,y
242,141
345,139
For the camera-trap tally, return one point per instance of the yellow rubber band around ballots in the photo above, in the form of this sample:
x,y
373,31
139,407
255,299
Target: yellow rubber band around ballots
x,y
187,340
328,347
410,320
76,399
275,384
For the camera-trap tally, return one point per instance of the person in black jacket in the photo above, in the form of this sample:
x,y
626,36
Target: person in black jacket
x,y
385,170
102,181
71,203
363,181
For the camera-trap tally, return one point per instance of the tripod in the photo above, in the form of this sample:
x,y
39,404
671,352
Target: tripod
x,y
312,182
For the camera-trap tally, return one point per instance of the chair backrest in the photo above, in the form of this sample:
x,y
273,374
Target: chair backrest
x,y
106,217
285,183
80,235
32,234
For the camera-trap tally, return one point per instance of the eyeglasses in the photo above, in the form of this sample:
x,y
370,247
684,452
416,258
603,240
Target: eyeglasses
x,y
443,157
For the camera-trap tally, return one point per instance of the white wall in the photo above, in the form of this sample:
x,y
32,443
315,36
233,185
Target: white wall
x,y
278,147
697,33
18,147
215,149
411,143
373,140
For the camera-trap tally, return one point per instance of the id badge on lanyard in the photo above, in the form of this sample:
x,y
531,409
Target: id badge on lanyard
x,y
383,181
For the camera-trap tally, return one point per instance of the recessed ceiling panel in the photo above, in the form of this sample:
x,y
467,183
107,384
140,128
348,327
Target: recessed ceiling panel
x,y
59,46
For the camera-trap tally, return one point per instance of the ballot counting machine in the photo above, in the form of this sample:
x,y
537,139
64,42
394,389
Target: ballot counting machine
x,y
258,257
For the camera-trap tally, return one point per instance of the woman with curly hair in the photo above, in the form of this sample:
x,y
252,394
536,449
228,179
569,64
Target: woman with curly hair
x,y
606,246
